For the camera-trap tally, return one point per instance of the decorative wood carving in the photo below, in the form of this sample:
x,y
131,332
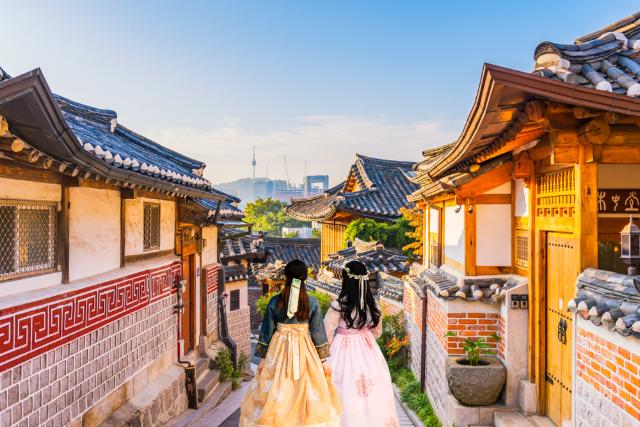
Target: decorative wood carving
x,y
555,194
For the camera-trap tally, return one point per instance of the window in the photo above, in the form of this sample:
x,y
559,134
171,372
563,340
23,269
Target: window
x,y
27,237
434,238
151,226
522,248
234,304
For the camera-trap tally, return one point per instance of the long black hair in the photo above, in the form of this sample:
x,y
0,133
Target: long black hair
x,y
349,300
295,269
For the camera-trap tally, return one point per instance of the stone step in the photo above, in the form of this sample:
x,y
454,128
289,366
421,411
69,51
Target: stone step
x,y
541,421
207,384
202,366
511,419
191,416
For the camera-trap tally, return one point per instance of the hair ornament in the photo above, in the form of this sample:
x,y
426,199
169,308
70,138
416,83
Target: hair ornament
x,y
362,282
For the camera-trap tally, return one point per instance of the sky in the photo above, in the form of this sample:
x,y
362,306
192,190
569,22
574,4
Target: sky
x,y
315,81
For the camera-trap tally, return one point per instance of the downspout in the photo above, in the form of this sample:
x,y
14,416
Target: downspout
x,y
423,339
224,326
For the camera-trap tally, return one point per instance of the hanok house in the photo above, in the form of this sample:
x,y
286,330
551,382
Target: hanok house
x,y
374,188
531,196
103,286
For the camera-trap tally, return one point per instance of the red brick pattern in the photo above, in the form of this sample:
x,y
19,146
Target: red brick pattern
x,y
502,333
610,369
437,319
470,325
30,329
212,277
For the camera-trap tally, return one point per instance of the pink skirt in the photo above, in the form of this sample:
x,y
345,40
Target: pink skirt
x,y
361,375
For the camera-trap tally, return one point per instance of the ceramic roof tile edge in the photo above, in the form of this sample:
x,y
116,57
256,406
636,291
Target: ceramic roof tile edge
x,y
234,273
488,290
608,299
93,159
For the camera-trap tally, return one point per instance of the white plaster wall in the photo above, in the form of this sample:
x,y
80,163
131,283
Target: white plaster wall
x,y
244,293
454,234
504,188
619,176
17,286
134,225
27,190
210,251
94,231
493,235
521,198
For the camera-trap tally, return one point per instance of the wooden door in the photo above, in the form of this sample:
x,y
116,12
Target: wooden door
x,y
187,327
560,286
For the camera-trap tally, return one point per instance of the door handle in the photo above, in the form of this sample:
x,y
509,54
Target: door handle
x,y
562,331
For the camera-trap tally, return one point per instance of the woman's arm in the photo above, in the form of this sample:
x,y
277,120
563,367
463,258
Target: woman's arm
x,y
331,322
318,333
267,329
377,330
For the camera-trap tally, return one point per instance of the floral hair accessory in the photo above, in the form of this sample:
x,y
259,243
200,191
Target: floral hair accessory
x,y
362,282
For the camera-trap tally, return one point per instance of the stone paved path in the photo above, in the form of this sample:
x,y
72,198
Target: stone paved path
x,y
227,413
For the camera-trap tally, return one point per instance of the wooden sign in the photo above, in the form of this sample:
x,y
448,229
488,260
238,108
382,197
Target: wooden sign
x,y
620,201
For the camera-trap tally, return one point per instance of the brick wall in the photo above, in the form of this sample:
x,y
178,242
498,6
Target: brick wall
x,y
607,377
470,325
240,329
389,306
75,348
211,287
502,333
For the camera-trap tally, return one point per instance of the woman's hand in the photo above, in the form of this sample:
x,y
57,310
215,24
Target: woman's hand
x,y
260,367
327,368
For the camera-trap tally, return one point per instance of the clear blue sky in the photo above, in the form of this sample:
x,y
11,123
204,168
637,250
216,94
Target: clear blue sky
x,y
315,80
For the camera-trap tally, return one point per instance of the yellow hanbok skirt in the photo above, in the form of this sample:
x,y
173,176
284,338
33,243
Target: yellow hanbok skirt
x,y
291,390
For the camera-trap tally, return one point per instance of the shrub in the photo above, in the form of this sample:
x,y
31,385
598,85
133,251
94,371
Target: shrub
x,y
224,364
323,298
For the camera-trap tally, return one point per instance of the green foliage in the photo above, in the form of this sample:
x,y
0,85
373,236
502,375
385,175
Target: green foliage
x,y
412,395
291,235
315,233
476,347
394,340
392,235
323,298
414,218
267,215
224,364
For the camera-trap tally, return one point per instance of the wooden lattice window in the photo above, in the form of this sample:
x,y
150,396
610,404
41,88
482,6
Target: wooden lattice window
x,y
234,303
28,237
522,248
151,226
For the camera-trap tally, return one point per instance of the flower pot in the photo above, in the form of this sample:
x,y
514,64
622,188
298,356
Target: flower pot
x,y
476,385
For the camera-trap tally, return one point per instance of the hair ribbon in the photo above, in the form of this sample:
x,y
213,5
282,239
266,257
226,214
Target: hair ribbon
x,y
362,284
294,297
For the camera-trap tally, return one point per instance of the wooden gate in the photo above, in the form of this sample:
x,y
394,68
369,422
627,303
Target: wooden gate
x,y
187,327
560,285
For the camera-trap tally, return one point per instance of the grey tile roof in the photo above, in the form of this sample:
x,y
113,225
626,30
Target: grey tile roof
x,y
373,255
285,249
382,189
608,299
234,273
607,59
490,290
98,133
236,244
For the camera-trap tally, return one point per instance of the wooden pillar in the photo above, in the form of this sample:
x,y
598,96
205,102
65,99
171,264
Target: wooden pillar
x,y
63,232
586,215
426,246
532,279
470,240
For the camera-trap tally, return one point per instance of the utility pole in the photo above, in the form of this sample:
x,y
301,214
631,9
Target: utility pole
x,y
253,163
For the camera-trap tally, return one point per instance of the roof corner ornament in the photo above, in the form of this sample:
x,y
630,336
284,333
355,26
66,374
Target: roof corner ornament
x,y
114,124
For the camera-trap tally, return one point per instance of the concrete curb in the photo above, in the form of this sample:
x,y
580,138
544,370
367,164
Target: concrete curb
x,y
412,415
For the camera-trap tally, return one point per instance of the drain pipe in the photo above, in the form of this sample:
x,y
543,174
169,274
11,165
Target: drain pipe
x,y
224,326
189,368
423,342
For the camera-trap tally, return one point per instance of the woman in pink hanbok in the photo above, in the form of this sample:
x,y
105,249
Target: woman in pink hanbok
x,y
360,372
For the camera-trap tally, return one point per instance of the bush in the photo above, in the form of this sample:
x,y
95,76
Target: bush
x,y
224,364
394,340
414,397
392,235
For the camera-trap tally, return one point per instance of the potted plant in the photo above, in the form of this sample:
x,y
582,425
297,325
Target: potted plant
x,y
478,378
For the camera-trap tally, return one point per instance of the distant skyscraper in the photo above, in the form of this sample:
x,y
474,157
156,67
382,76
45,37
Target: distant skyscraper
x,y
253,162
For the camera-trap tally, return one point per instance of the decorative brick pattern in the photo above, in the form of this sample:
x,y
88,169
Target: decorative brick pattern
x,y
240,329
30,329
213,320
212,277
594,409
59,384
502,333
609,369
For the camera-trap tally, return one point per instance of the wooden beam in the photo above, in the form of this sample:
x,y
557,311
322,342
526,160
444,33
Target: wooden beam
x,y
4,127
586,214
492,199
620,154
123,220
596,131
470,240
485,182
15,170
63,233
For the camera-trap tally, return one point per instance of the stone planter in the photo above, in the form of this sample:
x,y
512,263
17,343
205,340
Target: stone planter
x,y
476,385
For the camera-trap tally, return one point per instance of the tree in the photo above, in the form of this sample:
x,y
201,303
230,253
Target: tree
x,y
267,215
414,218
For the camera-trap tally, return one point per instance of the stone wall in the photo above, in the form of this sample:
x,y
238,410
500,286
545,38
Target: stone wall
x,y
240,329
255,319
389,306
79,348
607,384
